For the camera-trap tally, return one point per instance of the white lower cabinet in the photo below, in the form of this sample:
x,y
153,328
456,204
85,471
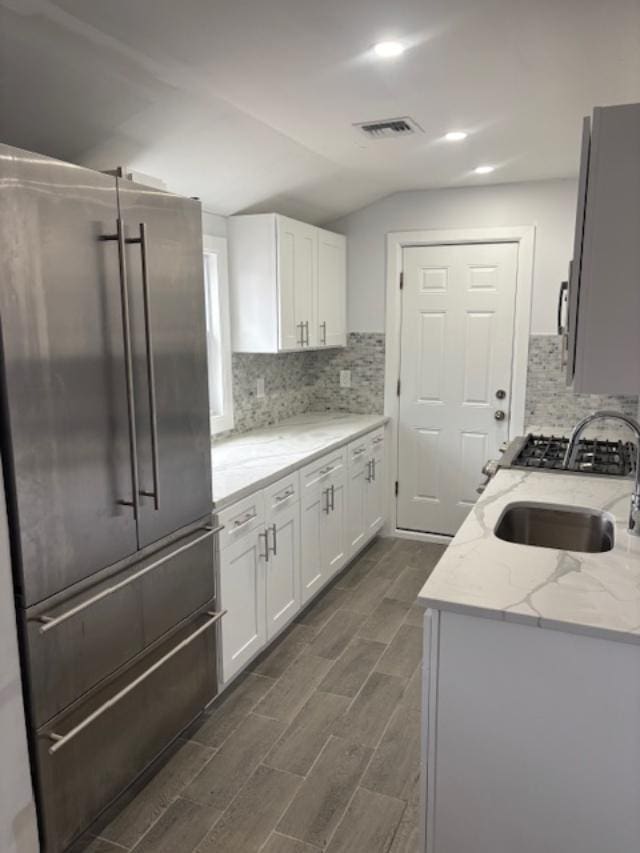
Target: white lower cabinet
x,y
242,595
280,546
376,495
282,543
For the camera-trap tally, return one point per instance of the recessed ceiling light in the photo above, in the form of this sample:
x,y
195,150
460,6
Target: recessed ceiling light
x,y
456,136
483,170
389,49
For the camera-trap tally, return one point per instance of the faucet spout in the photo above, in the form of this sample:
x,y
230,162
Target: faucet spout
x,y
634,426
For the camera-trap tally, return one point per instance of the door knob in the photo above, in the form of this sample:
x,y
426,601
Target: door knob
x,y
499,415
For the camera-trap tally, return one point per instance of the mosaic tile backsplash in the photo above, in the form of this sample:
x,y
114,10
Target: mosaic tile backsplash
x,y
310,381
550,403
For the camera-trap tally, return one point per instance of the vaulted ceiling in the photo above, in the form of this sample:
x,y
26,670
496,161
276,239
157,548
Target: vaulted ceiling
x,y
250,104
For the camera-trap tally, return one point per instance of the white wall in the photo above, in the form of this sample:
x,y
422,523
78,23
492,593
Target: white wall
x,y
549,205
213,224
18,830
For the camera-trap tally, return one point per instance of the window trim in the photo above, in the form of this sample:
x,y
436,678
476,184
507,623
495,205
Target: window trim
x,y
218,246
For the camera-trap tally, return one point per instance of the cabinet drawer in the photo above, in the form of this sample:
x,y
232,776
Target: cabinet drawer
x,y
90,635
329,468
241,519
118,732
358,451
283,493
376,439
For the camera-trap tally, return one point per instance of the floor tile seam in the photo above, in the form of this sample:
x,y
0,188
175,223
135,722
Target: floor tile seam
x,y
159,818
113,843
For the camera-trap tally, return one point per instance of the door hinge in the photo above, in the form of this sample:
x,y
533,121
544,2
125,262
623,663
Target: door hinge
x,y
396,488
398,389
401,280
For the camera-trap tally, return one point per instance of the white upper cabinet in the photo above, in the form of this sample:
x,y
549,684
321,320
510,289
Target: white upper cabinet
x,y
288,285
332,289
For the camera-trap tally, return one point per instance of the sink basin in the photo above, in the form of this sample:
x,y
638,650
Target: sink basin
x,y
552,526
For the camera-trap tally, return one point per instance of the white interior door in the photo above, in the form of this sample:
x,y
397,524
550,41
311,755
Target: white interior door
x,y
458,309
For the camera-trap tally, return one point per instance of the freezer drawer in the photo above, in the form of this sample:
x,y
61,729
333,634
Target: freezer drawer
x,y
88,757
85,638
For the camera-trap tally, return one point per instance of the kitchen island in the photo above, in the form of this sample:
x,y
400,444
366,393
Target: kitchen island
x,y
531,689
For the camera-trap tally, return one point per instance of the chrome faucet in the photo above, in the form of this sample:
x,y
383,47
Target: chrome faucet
x,y
632,423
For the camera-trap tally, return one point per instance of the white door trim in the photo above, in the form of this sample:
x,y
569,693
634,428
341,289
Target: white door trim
x,y
524,236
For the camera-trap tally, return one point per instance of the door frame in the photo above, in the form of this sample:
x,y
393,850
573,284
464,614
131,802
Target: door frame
x,y
397,241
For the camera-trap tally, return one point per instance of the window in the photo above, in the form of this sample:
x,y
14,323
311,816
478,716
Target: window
x,y
216,286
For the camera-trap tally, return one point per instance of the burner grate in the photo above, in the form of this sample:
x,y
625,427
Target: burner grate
x,y
594,456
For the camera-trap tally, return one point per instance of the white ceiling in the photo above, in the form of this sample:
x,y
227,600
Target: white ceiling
x,y
249,104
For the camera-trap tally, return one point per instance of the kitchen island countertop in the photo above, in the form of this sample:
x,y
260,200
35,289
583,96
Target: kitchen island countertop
x,y
585,593
252,460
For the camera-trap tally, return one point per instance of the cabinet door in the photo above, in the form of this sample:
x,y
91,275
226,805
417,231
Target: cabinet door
x,y
312,570
356,509
297,282
170,358
283,567
376,491
333,533
332,289
242,594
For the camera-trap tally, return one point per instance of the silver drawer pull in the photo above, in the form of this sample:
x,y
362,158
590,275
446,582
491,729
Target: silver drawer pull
x,y
378,439
326,470
241,522
359,450
285,495
49,622
61,740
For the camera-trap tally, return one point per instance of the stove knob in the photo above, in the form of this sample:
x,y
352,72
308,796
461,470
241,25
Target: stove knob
x,y
490,468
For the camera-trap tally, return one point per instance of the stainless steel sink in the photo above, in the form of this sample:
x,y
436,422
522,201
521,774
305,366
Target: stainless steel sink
x,y
551,526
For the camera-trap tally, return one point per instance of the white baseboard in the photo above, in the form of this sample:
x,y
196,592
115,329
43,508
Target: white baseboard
x,y
421,537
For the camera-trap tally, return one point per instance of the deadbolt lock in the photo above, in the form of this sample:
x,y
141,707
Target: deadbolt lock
x,y
500,394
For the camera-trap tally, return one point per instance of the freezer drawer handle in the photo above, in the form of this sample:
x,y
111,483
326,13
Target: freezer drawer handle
x,y
141,240
134,503
61,740
49,622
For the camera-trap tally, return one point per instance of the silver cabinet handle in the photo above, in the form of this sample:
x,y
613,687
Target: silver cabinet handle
x,y
118,237
141,240
265,534
323,326
373,469
378,440
274,533
333,497
306,328
285,495
300,326
239,523
359,450
49,622
369,476
63,740
327,505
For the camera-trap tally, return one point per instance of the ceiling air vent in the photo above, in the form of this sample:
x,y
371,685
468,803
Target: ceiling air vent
x,y
389,127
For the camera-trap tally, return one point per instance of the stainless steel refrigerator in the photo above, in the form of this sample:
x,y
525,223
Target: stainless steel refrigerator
x,y
106,443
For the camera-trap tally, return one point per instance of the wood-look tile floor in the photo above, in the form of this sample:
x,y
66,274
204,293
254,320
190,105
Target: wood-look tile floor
x,y
317,746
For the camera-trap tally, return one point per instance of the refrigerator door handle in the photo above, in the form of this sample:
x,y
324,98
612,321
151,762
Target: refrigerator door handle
x,y
61,740
49,622
119,238
141,240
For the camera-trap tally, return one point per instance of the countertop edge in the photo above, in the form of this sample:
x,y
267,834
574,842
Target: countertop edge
x,y
497,615
263,482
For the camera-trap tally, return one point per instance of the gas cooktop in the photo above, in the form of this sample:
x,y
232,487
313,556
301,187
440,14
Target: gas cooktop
x,y
594,456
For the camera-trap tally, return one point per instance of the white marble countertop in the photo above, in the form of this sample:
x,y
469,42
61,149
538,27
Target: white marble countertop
x,y
585,593
252,460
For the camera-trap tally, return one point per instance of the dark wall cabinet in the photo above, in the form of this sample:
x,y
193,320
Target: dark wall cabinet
x,y
602,333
